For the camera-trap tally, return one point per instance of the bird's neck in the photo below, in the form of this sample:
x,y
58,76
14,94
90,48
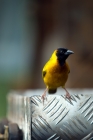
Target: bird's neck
x,y
61,62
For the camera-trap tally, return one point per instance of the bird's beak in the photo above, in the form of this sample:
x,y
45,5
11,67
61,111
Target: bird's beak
x,y
68,52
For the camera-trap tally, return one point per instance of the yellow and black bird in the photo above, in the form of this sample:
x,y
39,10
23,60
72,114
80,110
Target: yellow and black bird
x,y
55,72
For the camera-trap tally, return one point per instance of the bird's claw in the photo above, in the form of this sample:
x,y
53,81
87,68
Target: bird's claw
x,y
43,97
68,96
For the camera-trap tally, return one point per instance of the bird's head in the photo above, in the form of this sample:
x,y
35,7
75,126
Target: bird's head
x,y
62,54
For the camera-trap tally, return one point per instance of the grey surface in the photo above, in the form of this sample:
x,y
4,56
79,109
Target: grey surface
x,y
19,111
57,119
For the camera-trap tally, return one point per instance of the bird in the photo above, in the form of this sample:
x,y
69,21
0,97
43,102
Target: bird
x,y
55,72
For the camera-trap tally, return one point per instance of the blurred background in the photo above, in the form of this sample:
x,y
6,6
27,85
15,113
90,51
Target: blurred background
x,y
31,30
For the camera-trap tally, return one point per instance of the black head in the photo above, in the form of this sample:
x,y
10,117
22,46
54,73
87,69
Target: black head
x,y
62,54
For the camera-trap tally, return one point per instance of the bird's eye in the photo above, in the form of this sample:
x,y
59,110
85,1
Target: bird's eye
x,y
61,52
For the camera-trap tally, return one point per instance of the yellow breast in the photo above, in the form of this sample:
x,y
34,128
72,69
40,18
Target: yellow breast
x,y
56,75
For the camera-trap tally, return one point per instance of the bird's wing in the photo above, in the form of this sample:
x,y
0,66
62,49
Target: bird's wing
x,y
43,73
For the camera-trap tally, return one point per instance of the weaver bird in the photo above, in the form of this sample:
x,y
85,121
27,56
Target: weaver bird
x,y
55,72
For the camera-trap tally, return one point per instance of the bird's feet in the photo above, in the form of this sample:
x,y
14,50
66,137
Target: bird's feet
x,y
68,96
43,97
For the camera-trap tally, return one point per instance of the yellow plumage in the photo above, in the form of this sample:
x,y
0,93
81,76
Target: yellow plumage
x,y
56,70
56,75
